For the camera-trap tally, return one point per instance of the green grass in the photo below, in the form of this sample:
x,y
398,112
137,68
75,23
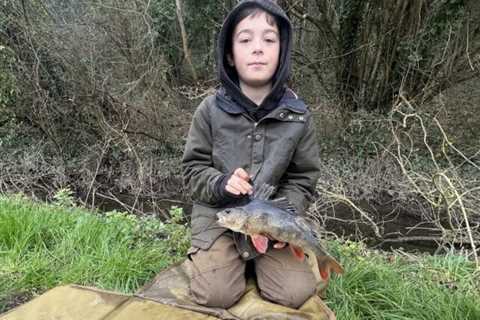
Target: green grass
x,y
42,246
403,286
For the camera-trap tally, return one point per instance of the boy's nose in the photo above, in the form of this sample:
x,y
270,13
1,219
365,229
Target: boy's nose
x,y
257,51
257,48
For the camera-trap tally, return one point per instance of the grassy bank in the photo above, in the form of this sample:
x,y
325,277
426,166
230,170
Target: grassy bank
x,y
42,246
398,285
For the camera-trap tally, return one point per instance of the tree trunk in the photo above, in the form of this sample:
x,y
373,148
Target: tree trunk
x,y
186,50
349,32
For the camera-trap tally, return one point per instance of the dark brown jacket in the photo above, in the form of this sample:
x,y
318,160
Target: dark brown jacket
x,y
275,141
280,149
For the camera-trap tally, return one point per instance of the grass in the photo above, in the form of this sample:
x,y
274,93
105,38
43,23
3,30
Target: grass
x,y
403,286
42,246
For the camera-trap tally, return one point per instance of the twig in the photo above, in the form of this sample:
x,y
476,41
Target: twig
x,y
450,144
344,199
467,223
425,238
99,162
124,205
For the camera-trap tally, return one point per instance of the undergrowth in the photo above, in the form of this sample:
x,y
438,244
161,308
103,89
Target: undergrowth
x,y
43,246
46,245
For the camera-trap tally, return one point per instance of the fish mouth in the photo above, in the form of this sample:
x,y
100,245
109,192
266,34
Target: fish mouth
x,y
222,216
229,219
220,219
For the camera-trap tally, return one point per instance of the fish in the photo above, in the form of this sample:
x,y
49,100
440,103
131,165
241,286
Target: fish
x,y
263,218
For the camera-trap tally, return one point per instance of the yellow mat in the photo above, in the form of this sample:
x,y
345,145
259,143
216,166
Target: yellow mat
x,y
166,297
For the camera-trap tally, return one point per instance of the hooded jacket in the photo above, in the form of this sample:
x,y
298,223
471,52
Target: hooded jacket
x,y
228,75
274,142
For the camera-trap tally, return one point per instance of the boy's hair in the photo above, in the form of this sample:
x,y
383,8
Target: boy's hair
x,y
253,11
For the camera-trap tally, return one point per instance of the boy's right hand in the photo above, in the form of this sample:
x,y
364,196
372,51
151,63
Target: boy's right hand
x,y
238,183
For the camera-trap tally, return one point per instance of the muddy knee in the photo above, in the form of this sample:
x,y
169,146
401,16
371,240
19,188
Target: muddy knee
x,y
288,297
291,289
217,275
283,279
217,291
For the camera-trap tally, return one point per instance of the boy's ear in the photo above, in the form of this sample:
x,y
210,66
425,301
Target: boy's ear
x,y
230,60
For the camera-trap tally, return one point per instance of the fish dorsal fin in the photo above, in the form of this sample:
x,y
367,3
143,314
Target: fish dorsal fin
x,y
264,192
283,203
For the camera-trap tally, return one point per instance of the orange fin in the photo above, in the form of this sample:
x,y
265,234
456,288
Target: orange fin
x,y
325,274
326,265
298,252
260,243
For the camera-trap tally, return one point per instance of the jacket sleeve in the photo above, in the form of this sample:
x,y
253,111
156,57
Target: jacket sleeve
x,y
199,175
299,181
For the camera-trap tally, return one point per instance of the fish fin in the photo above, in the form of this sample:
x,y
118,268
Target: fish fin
x,y
326,265
283,203
260,243
304,224
297,252
325,274
264,191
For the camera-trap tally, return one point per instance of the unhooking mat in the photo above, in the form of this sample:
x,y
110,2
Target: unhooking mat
x,y
166,297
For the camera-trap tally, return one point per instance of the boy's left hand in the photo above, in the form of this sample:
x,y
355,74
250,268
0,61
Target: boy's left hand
x,y
279,245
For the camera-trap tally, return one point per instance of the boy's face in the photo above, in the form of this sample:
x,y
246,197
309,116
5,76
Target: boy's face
x,y
256,49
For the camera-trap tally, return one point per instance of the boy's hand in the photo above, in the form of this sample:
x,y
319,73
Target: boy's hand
x,y
279,245
238,183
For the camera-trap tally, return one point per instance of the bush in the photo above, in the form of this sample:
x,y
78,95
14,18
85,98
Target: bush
x,y
8,84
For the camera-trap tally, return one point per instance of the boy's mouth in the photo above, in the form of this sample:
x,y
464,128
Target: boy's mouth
x,y
254,64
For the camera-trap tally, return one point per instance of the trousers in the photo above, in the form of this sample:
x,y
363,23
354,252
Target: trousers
x,y
218,276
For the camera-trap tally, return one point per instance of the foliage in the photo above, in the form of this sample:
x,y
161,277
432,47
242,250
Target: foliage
x,y
94,92
8,85
88,72
42,246
403,286
401,174
64,198
95,95
202,23
369,52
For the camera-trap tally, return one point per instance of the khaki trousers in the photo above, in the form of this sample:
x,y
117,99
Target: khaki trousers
x,y
218,276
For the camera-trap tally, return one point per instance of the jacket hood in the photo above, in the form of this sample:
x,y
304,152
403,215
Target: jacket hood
x,y
228,75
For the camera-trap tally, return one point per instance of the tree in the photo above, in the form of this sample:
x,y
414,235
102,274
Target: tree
x,y
186,50
381,48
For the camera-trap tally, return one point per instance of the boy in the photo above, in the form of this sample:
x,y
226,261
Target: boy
x,y
254,130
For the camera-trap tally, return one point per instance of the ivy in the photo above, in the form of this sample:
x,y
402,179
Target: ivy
x,y
8,85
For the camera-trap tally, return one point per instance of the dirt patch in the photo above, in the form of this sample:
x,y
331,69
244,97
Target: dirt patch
x,y
14,300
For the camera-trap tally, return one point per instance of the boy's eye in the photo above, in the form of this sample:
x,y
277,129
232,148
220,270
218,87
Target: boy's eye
x,y
244,40
271,40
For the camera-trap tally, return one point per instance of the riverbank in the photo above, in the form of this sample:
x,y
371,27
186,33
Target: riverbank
x,y
46,245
